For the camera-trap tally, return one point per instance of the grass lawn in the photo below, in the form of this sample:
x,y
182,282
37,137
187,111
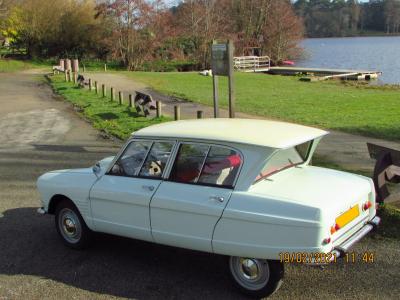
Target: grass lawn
x,y
115,119
10,65
366,110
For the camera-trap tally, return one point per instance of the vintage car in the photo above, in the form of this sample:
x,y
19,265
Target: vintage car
x,y
240,188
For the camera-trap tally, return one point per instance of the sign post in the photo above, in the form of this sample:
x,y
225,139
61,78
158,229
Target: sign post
x,y
222,64
230,78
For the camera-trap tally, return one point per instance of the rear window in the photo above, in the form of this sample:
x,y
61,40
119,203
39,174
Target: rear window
x,y
284,159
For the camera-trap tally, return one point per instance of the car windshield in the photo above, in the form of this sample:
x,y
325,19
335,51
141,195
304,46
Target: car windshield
x,y
284,159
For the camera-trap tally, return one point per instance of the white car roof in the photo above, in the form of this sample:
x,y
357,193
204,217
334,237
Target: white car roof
x,y
271,134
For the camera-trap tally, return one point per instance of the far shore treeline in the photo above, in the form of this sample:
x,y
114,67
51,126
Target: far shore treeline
x,y
152,35
337,18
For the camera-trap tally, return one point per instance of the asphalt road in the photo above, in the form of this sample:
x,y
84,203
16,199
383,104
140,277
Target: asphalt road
x,y
41,133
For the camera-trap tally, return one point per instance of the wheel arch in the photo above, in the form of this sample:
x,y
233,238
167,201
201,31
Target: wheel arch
x,y
54,202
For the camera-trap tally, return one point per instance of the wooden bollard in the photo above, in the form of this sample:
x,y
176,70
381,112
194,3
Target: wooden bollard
x,y
130,100
120,98
61,64
199,114
66,76
69,76
177,112
158,107
75,65
90,84
96,87
105,67
104,90
67,64
75,77
112,94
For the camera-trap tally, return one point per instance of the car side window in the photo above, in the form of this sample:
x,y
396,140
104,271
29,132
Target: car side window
x,y
221,167
130,162
156,160
207,165
188,163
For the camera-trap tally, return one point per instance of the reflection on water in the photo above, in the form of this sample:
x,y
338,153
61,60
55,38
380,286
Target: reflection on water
x,y
358,53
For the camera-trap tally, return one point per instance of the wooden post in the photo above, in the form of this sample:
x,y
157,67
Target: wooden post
x,y
177,112
112,94
105,67
66,76
104,90
69,76
199,114
75,77
90,84
75,65
67,64
130,100
215,94
215,88
230,81
96,87
120,97
61,64
158,107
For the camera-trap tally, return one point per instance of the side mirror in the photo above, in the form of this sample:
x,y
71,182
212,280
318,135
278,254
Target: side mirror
x,y
96,169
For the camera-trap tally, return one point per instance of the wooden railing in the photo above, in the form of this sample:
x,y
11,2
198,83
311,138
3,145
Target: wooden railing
x,y
252,63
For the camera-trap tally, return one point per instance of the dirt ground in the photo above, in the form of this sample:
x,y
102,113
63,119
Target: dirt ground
x,y
41,133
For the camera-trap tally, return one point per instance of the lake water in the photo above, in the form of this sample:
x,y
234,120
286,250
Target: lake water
x,y
359,53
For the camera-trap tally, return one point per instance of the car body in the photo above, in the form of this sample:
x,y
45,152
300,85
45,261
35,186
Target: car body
x,y
237,187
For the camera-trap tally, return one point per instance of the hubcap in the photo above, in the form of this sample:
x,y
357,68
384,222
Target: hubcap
x,y
250,273
249,268
70,226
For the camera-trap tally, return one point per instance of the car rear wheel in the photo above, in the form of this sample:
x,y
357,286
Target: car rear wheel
x,y
71,227
256,277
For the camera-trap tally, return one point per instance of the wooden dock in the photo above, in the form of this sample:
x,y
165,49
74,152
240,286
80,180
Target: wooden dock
x,y
319,74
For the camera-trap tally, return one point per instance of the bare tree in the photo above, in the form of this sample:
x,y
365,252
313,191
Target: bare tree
x,y
282,32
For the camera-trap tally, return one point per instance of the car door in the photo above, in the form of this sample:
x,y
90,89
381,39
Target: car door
x,y
120,199
187,206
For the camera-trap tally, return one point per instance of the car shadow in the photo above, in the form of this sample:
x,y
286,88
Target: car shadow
x,y
115,266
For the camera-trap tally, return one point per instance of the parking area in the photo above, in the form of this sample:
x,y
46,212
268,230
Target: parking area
x,y
39,133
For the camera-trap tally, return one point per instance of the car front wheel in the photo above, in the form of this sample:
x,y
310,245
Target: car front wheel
x,y
71,227
256,277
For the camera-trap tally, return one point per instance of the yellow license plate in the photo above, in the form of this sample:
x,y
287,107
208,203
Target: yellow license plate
x,y
348,216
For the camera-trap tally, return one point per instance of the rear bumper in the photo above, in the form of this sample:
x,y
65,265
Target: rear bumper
x,y
345,246
340,250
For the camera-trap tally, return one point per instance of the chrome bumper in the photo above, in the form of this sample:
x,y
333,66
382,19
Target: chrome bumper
x,y
41,211
351,241
340,250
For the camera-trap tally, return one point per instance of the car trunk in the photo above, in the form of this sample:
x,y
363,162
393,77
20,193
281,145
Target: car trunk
x,y
340,196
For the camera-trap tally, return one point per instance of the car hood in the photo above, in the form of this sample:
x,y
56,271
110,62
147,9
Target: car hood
x,y
329,190
104,163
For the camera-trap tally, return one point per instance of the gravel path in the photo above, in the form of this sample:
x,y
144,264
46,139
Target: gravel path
x,y
41,133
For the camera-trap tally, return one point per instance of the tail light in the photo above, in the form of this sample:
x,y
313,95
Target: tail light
x,y
326,241
367,205
335,228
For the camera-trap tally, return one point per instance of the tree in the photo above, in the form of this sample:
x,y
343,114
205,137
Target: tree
x,y
202,21
282,32
392,16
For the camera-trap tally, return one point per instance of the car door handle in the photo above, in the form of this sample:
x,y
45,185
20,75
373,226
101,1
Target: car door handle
x,y
217,198
148,187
